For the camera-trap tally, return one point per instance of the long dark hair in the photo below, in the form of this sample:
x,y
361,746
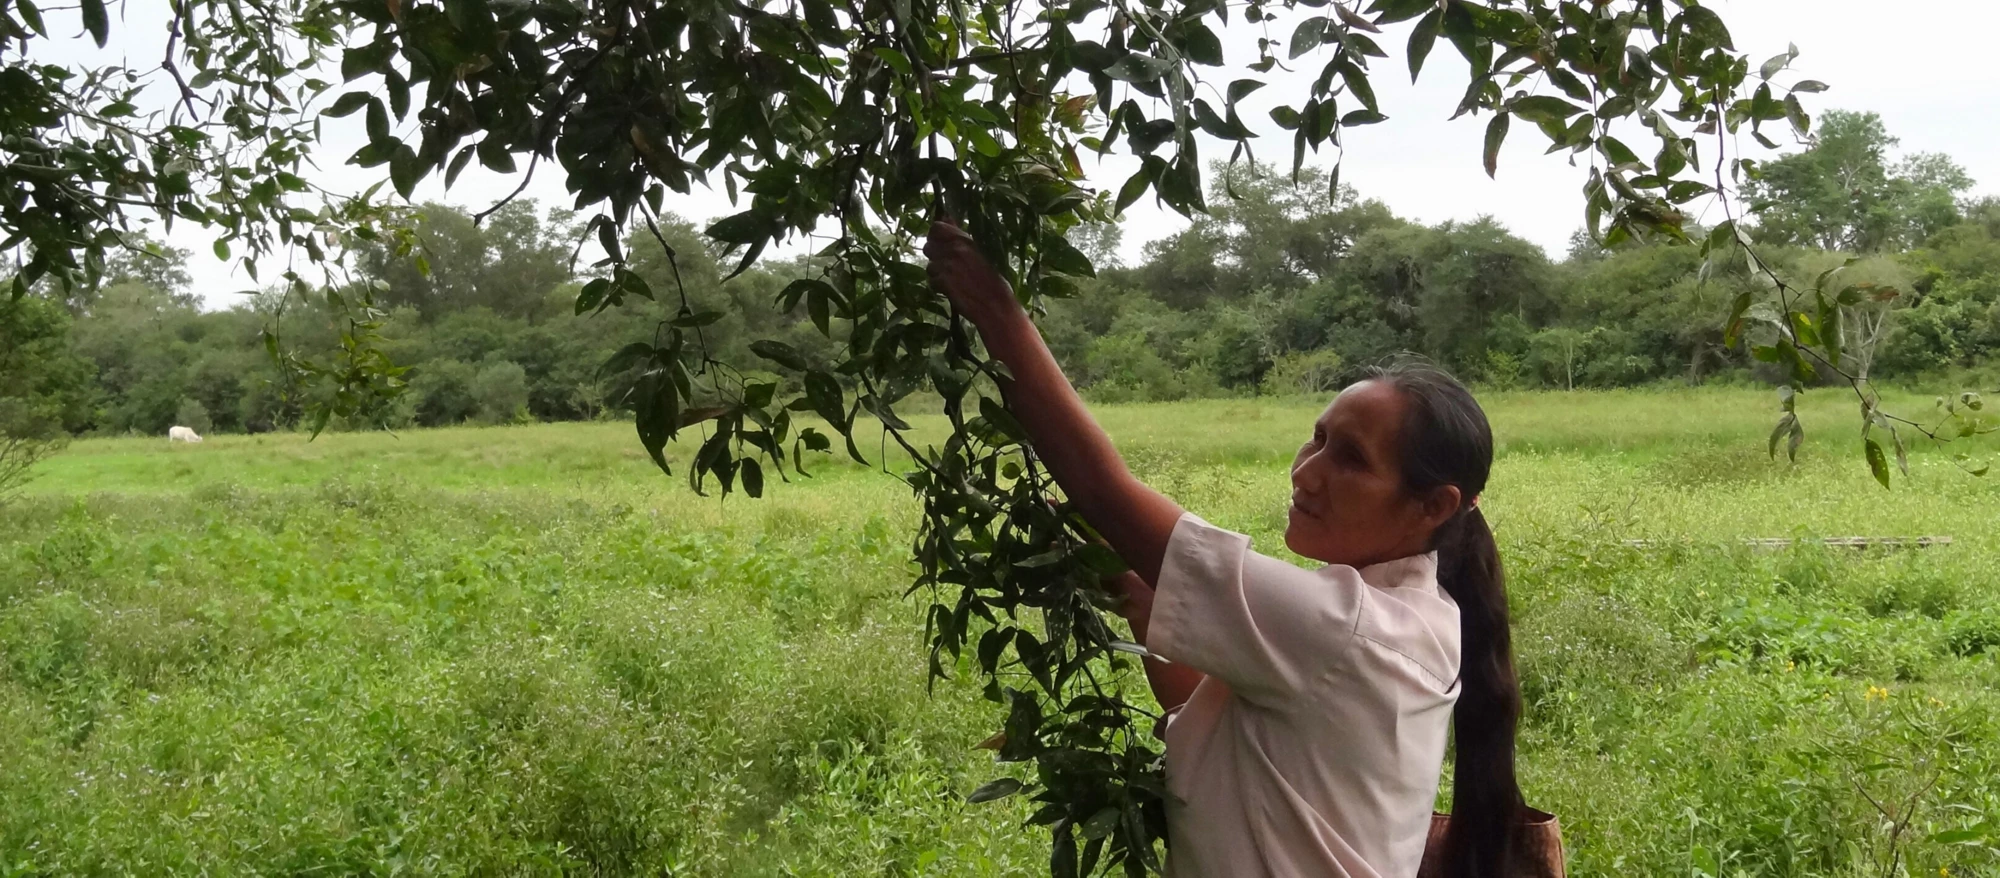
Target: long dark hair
x,y
1447,441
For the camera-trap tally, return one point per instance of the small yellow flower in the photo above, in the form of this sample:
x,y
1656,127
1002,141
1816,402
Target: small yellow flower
x,y
1791,666
1877,693
1943,872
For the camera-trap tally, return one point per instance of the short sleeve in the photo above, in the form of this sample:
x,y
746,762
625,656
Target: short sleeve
x,y
1265,627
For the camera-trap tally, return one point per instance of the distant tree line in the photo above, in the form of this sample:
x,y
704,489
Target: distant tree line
x,y
1278,291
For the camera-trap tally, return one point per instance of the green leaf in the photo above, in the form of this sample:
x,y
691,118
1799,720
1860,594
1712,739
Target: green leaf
x,y
495,155
1801,371
96,20
403,171
1059,254
1784,428
1392,11
1616,151
656,408
1804,329
1205,116
1878,462
994,789
1001,419
1200,45
1422,38
1539,108
1810,86
1703,24
1307,36
607,238
1135,186
778,352
360,61
349,104
1102,823
1723,235
740,228
1496,133
1733,329
1137,68
695,319
1771,67
626,357
823,394
897,61
819,307
1180,186
378,120
1241,88
592,296
752,476
1062,852
1358,85
32,17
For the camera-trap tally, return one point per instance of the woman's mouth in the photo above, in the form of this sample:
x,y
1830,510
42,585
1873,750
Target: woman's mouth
x,y
1303,509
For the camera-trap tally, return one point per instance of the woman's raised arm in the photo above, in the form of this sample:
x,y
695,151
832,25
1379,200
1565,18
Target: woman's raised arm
x,y
1135,519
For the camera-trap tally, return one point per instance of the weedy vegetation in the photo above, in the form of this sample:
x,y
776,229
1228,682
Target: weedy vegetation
x,y
519,649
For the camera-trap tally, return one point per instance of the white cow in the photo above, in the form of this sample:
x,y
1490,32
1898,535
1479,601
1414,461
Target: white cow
x,y
182,434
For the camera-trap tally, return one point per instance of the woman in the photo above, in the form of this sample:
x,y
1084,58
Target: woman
x,y
1308,708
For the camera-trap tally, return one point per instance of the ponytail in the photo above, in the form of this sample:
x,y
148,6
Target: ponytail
x,y
1447,441
1486,798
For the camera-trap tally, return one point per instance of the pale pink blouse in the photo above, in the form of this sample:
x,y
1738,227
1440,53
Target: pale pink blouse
x,y
1314,746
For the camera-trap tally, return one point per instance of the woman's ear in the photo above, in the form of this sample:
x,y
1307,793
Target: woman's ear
x,y
1440,504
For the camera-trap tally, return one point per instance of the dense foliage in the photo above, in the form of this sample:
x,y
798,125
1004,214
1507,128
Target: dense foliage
x,y
46,387
1276,291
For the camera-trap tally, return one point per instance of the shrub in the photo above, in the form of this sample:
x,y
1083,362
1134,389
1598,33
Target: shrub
x,y
1503,371
1314,372
443,391
1125,367
500,390
26,437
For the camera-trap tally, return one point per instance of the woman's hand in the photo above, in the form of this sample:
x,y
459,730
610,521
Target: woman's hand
x,y
960,271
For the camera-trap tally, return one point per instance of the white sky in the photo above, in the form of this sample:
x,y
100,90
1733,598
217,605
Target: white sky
x,y
1924,65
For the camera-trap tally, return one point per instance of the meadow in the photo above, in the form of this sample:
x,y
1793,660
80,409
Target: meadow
x,y
522,650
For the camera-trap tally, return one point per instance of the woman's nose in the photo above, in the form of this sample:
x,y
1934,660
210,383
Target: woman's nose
x,y
1305,472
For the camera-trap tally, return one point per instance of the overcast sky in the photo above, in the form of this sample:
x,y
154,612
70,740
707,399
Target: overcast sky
x,y
1924,65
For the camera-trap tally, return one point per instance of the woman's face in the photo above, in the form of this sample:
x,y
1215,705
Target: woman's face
x,y
1348,503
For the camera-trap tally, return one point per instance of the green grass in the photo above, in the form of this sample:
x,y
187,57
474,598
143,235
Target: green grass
x,y
523,650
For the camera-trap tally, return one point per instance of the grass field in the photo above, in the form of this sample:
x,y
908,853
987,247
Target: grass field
x,y
522,650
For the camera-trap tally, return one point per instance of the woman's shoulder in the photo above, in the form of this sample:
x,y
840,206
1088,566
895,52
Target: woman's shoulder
x,y
1404,612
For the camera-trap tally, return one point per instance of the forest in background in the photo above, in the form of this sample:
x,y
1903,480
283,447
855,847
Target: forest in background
x,y
1280,290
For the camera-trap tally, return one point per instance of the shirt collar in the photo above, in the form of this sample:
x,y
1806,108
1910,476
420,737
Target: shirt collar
x,y
1415,571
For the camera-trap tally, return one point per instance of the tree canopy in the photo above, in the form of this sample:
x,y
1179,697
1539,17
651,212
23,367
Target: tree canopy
x,y
1844,193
